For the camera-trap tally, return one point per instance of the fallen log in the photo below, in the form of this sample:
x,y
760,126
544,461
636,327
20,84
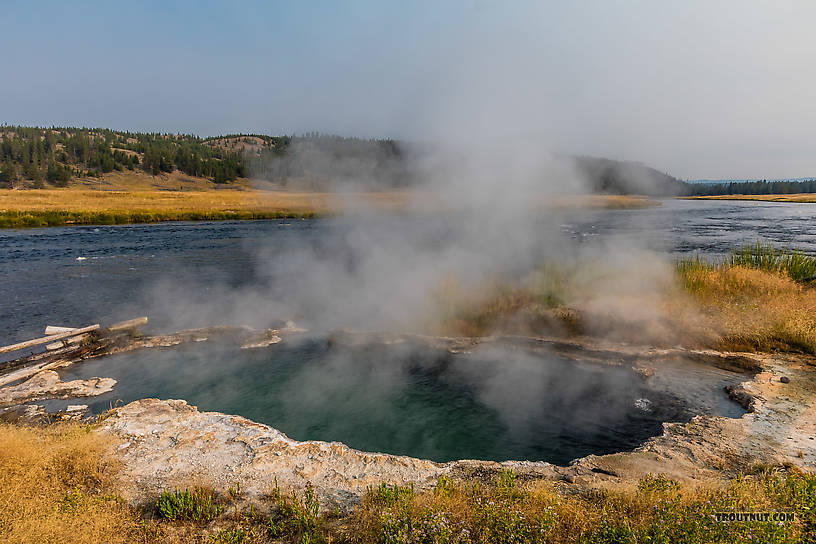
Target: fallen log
x,y
28,371
46,339
67,341
51,329
127,325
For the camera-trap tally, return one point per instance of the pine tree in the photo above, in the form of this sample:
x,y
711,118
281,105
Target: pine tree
x,y
8,174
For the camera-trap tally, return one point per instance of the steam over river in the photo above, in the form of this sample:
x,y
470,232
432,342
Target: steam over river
x,y
439,406
80,275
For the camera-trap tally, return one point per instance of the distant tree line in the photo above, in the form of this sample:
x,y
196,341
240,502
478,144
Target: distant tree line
x,y
32,156
762,187
58,154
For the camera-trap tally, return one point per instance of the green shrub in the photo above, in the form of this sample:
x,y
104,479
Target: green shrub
x,y
228,536
445,487
296,518
391,495
196,505
506,487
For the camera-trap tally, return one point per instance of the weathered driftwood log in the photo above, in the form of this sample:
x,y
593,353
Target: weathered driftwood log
x,y
52,329
70,346
46,339
28,371
68,341
130,324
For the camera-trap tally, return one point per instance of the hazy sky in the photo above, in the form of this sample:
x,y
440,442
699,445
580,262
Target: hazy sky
x,y
698,89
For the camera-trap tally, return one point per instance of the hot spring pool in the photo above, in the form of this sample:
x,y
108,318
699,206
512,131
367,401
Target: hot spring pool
x,y
495,403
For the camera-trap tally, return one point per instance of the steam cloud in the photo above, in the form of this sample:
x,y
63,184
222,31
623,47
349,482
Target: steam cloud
x,y
479,195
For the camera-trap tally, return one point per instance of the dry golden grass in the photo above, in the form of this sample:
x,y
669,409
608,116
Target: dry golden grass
x,y
177,193
611,202
498,308
798,197
57,488
55,207
753,309
84,200
139,180
137,198
725,307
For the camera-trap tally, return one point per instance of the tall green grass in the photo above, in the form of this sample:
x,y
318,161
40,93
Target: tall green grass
x,y
790,262
797,265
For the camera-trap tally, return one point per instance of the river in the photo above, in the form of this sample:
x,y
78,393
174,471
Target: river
x,y
90,274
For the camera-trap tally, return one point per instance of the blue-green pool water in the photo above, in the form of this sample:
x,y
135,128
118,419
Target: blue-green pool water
x,y
496,403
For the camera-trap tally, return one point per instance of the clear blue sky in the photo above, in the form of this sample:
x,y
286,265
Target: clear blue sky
x,y
697,88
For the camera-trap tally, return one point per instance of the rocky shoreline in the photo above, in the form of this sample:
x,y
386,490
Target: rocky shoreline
x,y
164,444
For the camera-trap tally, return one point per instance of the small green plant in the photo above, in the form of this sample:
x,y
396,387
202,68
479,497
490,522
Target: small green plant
x,y
228,536
297,518
445,487
150,532
391,495
73,500
235,492
658,483
506,486
190,505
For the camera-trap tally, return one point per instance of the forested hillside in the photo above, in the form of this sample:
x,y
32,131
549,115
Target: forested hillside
x,y
32,156
624,177
35,157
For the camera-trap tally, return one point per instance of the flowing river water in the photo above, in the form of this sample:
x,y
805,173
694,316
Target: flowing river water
x,y
492,404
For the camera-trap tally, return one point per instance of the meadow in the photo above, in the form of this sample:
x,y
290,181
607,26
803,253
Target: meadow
x,y
130,198
77,206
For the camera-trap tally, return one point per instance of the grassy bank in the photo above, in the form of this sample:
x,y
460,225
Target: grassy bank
x,y
758,298
56,207
58,487
797,197
79,205
25,219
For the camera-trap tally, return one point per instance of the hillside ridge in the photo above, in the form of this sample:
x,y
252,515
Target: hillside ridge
x,y
36,157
